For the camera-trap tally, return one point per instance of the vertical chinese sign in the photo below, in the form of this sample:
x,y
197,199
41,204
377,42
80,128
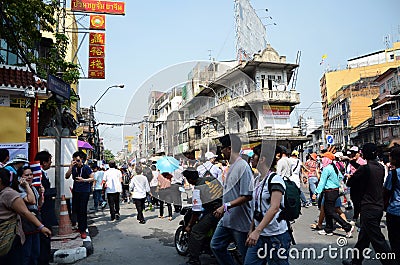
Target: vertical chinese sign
x,y
97,22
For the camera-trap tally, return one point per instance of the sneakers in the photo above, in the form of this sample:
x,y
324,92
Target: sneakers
x,y
348,234
306,205
83,235
142,222
117,216
323,233
103,205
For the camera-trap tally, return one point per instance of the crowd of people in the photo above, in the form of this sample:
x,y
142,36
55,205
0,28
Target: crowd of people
x,y
240,198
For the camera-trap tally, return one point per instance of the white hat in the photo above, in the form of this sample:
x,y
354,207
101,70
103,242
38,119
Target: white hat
x,y
20,158
143,160
338,154
354,149
210,155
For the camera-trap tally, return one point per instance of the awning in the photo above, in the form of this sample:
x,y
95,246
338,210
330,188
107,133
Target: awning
x,y
84,145
383,104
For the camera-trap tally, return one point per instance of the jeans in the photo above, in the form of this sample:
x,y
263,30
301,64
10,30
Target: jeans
x,y
268,250
221,239
31,249
139,207
79,208
312,185
113,203
97,199
303,197
393,233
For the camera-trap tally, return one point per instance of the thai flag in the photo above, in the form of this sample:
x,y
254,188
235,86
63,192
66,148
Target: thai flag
x,y
37,174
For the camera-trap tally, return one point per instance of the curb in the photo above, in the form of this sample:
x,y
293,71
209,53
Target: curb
x,y
73,254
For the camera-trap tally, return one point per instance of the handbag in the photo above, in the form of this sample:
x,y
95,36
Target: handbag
x,y
27,226
8,230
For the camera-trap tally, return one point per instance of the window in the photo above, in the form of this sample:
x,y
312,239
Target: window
x,y
385,132
395,131
271,77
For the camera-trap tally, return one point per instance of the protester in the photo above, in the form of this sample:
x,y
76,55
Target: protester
x,y
12,207
83,177
31,197
139,187
368,179
113,182
296,166
208,199
311,169
164,193
208,167
393,209
48,210
4,157
267,229
148,173
236,208
177,181
98,188
154,186
329,185
126,179
16,164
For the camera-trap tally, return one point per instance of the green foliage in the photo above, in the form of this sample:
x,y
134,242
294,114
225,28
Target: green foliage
x,y
108,155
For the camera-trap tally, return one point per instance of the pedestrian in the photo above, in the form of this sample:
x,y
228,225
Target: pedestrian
x,y
393,209
296,166
113,182
177,181
236,208
329,185
311,169
12,207
368,179
48,208
126,179
4,157
16,164
139,187
83,177
97,188
208,168
154,186
31,197
267,229
164,194
148,173
209,198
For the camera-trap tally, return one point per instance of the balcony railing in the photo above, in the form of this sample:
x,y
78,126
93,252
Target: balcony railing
x,y
275,132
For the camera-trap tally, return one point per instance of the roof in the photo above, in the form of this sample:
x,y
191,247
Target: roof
x,y
19,77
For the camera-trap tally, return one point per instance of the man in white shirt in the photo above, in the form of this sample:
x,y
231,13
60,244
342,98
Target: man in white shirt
x,y
140,187
113,180
208,168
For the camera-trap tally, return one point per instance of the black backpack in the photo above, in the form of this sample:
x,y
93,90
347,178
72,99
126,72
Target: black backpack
x,y
207,173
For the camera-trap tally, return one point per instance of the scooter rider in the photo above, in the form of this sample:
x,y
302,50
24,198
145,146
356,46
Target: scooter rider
x,y
207,196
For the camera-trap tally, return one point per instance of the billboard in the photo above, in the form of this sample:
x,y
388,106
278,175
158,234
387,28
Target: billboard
x,y
99,7
251,36
97,55
276,111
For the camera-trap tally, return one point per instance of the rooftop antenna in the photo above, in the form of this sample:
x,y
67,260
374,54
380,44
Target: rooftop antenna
x,y
386,41
209,55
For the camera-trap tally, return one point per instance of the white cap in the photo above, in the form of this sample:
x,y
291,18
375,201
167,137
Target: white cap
x,y
354,149
338,154
143,160
210,155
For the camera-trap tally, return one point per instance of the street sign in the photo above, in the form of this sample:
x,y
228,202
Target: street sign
x,y
329,139
58,86
393,118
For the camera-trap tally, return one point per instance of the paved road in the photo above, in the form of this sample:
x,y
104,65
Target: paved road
x,y
128,242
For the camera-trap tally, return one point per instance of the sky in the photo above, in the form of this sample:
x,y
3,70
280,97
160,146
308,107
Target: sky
x,y
157,35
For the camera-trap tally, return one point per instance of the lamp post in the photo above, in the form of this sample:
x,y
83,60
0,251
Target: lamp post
x,y
93,125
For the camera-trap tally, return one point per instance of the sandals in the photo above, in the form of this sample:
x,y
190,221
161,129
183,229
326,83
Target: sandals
x,y
316,227
161,217
170,218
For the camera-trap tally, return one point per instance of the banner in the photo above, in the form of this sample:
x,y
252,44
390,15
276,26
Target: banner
x,y
99,7
16,149
276,111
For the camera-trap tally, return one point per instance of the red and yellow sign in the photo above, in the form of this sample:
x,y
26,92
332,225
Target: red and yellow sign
x,y
100,7
97,22
97,51
276,110
96,68
97,38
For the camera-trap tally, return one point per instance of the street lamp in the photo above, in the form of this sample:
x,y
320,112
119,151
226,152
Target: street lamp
x,y
95,134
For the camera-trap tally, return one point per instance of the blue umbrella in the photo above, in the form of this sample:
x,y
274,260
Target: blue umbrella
x,y
167,164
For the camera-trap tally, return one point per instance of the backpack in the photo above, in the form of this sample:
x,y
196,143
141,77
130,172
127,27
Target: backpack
x,y
207,173
126,178
292,204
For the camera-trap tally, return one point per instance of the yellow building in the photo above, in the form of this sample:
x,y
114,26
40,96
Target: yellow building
x,y
365,66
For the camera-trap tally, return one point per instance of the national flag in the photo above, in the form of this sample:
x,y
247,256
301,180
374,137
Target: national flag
x,y
323,58
37,173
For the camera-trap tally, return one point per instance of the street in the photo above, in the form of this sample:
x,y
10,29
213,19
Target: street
x,y
128,242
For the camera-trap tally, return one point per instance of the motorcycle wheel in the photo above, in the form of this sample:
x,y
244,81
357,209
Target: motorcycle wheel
x,y
181,241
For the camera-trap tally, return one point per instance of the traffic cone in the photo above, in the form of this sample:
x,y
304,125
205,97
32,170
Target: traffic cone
x,y
64,227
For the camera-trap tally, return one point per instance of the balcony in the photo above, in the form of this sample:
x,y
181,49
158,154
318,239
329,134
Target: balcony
x,y
275,132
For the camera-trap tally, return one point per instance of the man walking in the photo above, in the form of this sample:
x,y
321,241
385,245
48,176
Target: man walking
x,y
113,181
368,179
98,188
139,187
208,168
236,208
83,177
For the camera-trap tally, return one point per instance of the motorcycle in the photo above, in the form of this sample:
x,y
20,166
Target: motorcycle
x,y
181,239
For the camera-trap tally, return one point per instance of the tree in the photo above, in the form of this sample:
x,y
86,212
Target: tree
x,y
108,155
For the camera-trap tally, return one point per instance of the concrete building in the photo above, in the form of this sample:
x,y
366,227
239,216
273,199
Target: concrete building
x,y
365,66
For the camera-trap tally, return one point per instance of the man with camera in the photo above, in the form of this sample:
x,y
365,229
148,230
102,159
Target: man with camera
x,y
207,197
83,177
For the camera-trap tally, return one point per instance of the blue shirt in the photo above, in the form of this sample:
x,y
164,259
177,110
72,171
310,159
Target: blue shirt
x,y
394,205
329,179
98,177
83,172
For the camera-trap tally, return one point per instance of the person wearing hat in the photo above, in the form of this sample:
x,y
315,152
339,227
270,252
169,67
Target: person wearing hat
x,y
311,169
208,193
208,168
236,208
15,164
329,185
368,181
